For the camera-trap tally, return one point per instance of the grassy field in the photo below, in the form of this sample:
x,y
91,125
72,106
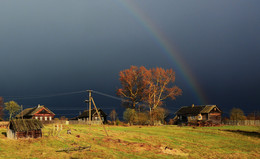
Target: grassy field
x,y
138,142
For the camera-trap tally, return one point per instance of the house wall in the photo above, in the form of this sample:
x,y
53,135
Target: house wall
x,y
215,118
43,117
30,134
11,134
182,119
204,117
192,118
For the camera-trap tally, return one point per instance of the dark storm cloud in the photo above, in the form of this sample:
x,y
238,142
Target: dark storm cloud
x,y
61,46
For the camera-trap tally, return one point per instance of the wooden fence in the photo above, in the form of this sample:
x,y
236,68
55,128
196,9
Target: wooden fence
x,y
242,122
4,124
81,122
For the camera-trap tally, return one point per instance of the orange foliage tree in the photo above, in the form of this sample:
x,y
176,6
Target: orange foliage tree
x,y
161,86
147,86
133,86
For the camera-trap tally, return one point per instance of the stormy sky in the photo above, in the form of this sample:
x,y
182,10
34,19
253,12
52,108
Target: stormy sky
x,y
63,46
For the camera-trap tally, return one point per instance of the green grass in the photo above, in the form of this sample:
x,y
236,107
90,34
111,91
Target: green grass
x,y
138,142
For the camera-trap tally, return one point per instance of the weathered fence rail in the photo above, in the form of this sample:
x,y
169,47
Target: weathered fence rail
x,y
4,124
242,122
81,122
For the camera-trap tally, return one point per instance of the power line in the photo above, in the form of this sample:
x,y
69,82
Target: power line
x,y
107,95
42,96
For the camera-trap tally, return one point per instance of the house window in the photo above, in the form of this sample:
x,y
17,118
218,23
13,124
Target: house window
x,y
41,118
46,118
36,117
192,117
50,118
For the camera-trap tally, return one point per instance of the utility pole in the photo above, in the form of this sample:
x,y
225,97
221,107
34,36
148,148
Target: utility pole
x,y
95,107
99,115
22,111
89,103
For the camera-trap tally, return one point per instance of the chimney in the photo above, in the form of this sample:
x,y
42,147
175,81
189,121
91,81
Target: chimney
x,y
39,105
192,105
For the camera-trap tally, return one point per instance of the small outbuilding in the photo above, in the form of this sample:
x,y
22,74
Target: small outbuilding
x,y
24,128
199,114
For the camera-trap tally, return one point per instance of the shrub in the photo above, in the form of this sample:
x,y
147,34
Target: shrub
x,y
129,116
142,118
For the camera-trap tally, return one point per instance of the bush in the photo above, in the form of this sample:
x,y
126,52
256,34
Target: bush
x,y
142,118
159,114
118,122
129,116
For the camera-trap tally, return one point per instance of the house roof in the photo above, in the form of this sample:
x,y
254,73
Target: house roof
x,y
194,110
85,114
32,111
21,125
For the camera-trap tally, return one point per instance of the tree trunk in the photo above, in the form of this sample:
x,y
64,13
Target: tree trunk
x,y
10,117
151,116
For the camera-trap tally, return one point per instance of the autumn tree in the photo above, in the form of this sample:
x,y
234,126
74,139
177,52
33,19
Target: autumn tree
x,y
1,108
12,107
133,86
147,87
237,114
160,87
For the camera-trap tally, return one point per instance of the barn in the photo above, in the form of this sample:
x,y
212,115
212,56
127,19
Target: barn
x,y
199,113
24,128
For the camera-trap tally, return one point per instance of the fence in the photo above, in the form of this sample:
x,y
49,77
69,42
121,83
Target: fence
x,y
82,122
4,124
242,122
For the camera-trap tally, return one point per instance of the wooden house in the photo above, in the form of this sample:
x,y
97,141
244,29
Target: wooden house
x,y
24,128
200,113
94,116
39,112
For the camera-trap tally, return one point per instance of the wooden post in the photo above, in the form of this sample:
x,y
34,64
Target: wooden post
x,y
89,103
53,131
22,111
99,115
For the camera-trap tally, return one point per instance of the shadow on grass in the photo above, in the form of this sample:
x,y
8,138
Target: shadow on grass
x,y
247,133
4,133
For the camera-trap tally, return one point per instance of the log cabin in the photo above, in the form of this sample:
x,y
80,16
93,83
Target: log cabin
x,y
24,128
94,116
39,112
199,113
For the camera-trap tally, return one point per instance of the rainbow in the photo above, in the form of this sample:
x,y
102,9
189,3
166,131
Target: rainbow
x,y
167,48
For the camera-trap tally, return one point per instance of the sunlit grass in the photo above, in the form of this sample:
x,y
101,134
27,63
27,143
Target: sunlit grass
x,y
136,142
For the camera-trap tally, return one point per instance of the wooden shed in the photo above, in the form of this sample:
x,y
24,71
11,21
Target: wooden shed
x,y
24,128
